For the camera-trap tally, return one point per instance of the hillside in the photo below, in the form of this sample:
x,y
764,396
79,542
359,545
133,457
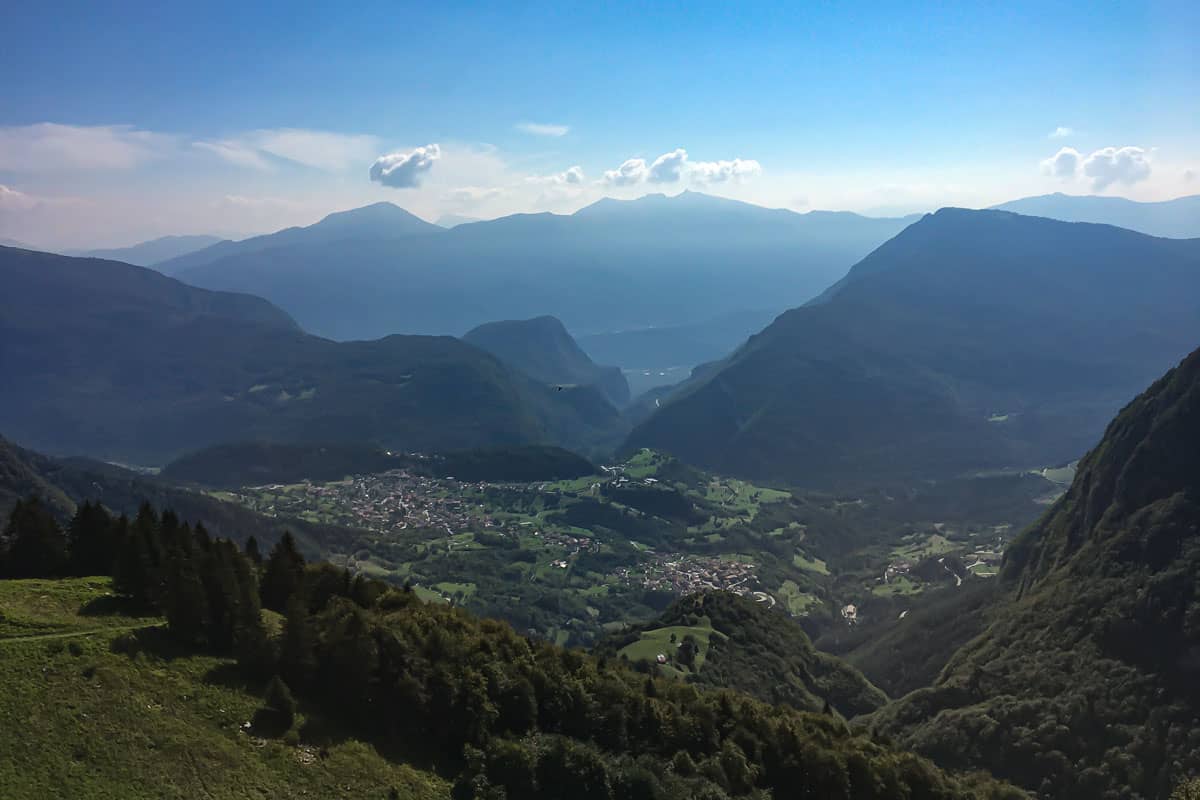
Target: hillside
x,y
91,718
384,682
122,363
1085,680
736,643
543,350
972,340
1178,218
24,473
378,221
614,265
145,254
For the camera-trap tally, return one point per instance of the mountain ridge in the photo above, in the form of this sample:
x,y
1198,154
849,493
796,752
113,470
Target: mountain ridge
x,y
1175,218
123,363
1019,336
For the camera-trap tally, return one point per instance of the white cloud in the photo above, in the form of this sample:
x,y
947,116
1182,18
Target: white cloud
x,y
1106,166
1061,132
721,171
543,129
1111,165
235,152
676,166
668,168
318,149
404,170
631,172
470,196
1064,164
49,147
13,200
257,203
1189,175
571,176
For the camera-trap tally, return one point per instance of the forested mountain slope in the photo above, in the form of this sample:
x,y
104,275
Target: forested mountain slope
x,y
751,648
384,683
119,362
543,350
972,340
1084,684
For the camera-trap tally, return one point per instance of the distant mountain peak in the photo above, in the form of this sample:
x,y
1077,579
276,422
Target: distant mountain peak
x,y
382,212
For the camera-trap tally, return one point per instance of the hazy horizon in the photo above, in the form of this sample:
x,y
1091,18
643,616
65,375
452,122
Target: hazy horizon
x,y
124,131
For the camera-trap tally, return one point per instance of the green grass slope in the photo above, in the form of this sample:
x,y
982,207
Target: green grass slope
x,y
746,646
93,712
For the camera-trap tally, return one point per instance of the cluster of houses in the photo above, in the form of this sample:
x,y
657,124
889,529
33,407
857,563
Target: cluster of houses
x,y
686,574
386,502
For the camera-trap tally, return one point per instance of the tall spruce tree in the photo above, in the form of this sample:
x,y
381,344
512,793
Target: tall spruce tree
x,y
284,574
185,603
35,546
297,660
90,540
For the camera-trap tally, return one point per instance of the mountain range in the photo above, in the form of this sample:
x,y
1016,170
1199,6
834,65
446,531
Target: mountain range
x,y
972,340
149,253
614,265
123,363
1178,218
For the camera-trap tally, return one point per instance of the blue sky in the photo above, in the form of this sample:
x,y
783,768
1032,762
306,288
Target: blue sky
x,y
143,119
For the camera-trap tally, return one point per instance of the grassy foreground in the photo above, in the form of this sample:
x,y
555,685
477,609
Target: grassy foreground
x,y
98,704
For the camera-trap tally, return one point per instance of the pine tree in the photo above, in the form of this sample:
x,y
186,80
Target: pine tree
x,y
90,541
297,661
252,551
220,589
250,643
146,528
132,570
280,702
36,546
284,574
185,602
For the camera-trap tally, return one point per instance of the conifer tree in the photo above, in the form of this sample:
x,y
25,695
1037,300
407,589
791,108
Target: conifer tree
x,y
284,574
250,643
297,661
279,701
36,546
253,552
132,570
185,601
90,540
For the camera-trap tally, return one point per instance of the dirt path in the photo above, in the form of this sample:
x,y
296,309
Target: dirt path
x,y
73,634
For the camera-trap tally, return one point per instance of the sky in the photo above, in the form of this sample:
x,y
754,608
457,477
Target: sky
x,y
125,121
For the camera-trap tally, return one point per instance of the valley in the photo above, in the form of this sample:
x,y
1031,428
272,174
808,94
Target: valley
x,y
575,560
